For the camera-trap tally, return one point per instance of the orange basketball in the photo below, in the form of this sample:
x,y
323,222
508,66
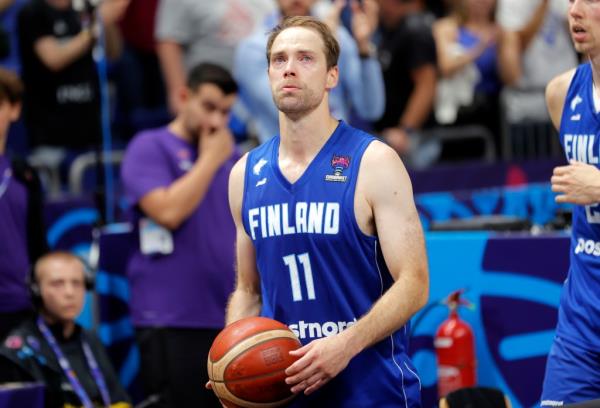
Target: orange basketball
x,y
247,360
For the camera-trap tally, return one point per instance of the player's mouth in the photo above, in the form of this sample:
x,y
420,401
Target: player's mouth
x,y
578,33
289,88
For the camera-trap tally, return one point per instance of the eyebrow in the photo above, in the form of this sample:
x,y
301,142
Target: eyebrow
x,y
301,51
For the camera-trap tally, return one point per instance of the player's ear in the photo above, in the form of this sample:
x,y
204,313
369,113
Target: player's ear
x,y
333,75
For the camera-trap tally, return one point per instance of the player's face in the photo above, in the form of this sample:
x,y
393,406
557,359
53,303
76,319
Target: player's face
x,y
291,8
298,71
584,23
62,287
206,108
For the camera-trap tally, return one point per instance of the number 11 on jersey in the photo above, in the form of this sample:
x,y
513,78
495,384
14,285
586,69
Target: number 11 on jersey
x,y
304,259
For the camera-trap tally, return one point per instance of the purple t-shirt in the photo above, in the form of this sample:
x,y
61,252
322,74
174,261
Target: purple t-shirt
x,y
189,287
14,259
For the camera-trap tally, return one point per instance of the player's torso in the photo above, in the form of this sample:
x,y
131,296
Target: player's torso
x,y
319,272
580,138
311,255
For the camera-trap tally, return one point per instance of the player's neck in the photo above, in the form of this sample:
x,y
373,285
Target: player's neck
x,y
303,137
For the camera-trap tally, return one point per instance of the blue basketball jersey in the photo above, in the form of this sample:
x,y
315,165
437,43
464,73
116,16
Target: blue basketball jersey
x,y
579,314
319,272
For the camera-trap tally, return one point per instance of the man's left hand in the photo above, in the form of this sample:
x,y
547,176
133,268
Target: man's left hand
x,y
320,361
365,18
577,183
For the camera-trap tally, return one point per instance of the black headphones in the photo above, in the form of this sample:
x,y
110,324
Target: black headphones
x,y
34,287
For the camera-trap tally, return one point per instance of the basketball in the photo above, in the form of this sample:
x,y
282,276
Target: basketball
x,y
247,362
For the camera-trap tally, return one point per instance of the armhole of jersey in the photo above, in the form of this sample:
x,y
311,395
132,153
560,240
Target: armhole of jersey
x,y
243,206
352,188
566,114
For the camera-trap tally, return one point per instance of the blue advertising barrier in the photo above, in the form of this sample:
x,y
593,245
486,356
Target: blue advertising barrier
x,y
514,282
534,202
30,395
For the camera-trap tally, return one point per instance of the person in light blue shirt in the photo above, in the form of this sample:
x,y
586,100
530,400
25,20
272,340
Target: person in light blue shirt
x,y
361,88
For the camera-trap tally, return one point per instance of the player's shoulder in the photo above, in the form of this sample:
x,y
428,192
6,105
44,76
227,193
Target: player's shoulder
x,y
377,149
379,158
238,169
556,92
558,86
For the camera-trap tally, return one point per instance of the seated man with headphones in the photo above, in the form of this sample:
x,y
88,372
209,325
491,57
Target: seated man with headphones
x,y
53,349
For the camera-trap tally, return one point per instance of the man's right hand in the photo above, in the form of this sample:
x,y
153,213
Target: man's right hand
x,y
215,145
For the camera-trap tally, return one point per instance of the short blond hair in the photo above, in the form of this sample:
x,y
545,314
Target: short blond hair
x,y
331,45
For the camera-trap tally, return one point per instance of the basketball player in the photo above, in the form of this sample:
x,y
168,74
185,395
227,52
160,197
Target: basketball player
x,y
573,99
328,237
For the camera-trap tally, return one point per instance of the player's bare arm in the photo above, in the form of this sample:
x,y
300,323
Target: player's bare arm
x,y
245,300
556,92
384,205
576,183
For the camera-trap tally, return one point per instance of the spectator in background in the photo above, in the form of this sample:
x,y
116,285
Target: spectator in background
x,y
361,83
467,51
62,101
141,101
408,58
21,226
9,10
535,47
182,273
10,59
189,32
56,351
440,8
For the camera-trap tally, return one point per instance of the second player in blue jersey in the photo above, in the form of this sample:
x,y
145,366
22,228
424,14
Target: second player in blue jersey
x,y
573,98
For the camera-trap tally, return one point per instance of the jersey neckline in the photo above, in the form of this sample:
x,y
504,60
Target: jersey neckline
x,y
306,175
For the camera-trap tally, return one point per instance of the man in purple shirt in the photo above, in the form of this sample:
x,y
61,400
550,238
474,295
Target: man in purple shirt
x,y
182,273
22,236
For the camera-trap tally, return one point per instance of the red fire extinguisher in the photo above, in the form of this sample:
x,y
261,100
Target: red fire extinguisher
x,y
455,349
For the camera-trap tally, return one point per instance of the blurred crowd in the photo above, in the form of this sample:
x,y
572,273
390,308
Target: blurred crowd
x,y
444,80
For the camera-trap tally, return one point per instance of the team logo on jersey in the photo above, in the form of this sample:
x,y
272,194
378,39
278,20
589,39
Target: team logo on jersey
x,y
258,166
339,164
574,102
